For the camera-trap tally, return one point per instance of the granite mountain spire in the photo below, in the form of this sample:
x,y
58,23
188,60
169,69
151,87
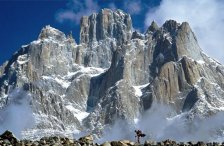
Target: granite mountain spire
x,y
114,73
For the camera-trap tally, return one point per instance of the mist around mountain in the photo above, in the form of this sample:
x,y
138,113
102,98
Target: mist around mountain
x,y
115,81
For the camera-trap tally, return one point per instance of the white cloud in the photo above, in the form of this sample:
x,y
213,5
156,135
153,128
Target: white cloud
x,y
206,18
17,115
112,6
66,15
76,9
162,122
133,7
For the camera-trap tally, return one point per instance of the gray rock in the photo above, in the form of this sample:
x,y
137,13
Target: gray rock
x,y
106,144
118,143
106,24
86,140
153,27
149,143
186,43
7,142
137,35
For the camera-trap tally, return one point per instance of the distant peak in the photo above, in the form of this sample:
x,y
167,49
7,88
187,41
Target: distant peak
x,y
171,26
171,23
153,27
49,32
106,10
185,25
121,12
106,24
70,38
49,27
118,11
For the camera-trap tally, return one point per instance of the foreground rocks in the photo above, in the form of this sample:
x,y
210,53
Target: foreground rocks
x,y
8,139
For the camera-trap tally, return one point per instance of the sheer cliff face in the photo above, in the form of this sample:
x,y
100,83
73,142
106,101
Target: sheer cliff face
x,y
114,73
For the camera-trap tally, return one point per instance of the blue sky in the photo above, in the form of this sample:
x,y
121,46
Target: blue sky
x,y
22,20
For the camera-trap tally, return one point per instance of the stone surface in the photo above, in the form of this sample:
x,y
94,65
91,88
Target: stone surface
x,y
153,27
63,141
86,139
106,24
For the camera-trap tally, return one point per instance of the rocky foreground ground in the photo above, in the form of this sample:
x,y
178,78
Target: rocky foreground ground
x,y
8,139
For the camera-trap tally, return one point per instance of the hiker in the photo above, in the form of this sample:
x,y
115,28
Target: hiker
x,y
139,134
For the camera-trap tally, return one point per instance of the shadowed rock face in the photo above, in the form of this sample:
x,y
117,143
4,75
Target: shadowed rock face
x,y
112,74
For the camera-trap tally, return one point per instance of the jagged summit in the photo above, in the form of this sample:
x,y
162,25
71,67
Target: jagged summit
x,y
50,32
153,27
106,24
114,73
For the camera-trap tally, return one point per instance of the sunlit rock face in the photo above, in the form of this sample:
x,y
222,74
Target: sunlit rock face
x,y
114,73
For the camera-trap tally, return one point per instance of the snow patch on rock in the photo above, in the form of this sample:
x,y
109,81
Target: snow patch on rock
x,y
138,89
80,115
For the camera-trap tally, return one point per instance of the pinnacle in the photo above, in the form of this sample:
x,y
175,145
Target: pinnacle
x,y
99,26
171,26
153,27
50,32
